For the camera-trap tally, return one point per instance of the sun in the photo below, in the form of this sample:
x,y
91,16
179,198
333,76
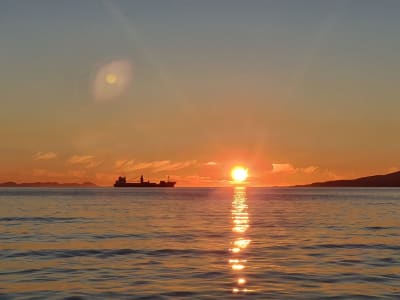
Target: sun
x,y
239,174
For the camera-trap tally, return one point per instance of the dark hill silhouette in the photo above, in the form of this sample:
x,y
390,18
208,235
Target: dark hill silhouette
x,y
46,184
388,180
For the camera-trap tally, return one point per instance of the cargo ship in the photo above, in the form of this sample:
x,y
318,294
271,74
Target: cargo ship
x,y
121,182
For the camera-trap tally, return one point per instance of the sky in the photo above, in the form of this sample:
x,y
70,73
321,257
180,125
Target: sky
x,y
296,91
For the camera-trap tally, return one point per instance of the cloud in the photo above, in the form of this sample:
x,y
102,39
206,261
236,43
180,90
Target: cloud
x,y
392,169
197,180
155,166
80,159
130,166
309,170
88,161
283,168
176,166
150,165
290,169
119,163
44,155
211,163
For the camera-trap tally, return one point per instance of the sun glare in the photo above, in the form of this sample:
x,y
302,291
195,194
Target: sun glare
x,y
239,174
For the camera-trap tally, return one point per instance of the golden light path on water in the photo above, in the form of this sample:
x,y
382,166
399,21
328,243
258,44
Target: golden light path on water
x,y
240,224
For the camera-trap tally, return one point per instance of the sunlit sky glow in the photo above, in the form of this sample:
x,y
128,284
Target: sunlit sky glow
x,y
297,91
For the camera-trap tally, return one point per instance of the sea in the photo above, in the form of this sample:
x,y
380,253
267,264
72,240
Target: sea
x,y
199,243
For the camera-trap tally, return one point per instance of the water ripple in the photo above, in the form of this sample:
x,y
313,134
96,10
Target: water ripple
x,y
106,253
180,244
41,219
353,246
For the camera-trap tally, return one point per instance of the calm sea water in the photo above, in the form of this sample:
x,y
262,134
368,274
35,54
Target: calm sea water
x,y
199,243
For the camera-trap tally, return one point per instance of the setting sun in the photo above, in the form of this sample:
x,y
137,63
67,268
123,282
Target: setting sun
x,y
239,174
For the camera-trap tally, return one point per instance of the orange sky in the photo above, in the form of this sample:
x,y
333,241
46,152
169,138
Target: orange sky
x,y
52,166
297,93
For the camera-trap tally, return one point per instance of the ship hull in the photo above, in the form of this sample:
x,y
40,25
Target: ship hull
x,y
145,184
121,182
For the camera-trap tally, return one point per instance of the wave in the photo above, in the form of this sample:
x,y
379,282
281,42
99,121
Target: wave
x,y
42,219
105,253
353,246
379,228
325,278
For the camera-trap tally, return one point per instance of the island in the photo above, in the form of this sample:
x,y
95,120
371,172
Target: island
x,y
387,180
47,184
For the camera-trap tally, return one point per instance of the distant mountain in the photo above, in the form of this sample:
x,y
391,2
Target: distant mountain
x,y
46,184
388,180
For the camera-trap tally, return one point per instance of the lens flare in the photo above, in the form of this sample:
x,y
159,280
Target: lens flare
x,y
112,80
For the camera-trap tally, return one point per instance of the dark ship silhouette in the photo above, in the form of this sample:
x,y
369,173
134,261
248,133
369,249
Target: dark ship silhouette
x,y
121,182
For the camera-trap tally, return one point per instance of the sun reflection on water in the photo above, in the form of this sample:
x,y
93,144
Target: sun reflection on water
x,y
240,224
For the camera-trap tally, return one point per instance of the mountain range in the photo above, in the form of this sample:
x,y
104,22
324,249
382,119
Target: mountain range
x,y
46,184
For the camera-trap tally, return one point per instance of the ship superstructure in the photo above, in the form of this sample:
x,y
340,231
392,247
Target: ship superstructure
x,y
121,182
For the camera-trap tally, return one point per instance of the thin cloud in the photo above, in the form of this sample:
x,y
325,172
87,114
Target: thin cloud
x,y
80,159
393,169
309,170
119,163
124,163
283,168
176,166
155,166
196,180
290,169
44,155
148,165
88,161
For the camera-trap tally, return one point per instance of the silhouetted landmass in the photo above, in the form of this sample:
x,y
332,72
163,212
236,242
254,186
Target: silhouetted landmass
x,y
388,180
46,184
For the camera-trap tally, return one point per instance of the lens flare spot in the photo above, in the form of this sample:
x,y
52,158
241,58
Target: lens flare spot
x,y
241,281
111,78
